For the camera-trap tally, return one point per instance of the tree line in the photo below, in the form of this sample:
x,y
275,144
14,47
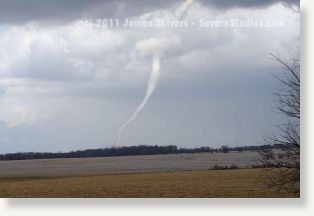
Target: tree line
x,y
131,151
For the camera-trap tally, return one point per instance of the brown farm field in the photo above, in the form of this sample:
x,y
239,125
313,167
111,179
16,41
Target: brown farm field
x,y
174,176
213,183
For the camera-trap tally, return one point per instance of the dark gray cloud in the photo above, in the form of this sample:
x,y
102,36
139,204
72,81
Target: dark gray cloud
x,y
226,4
19,11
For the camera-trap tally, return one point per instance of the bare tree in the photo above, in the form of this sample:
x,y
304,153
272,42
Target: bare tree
x,y
287,160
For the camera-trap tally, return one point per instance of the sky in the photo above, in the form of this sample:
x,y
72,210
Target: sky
x,y
69,80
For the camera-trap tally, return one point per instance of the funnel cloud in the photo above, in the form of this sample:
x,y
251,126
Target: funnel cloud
x,y
155,74
152,84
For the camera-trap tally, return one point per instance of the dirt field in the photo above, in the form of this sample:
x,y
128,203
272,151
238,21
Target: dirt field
x,y
182,175
214,183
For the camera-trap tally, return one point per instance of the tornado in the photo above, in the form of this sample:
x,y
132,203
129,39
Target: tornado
x,y
180,12
152,84
154,75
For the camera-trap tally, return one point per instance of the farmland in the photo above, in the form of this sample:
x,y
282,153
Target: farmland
x,y
170,162
182,175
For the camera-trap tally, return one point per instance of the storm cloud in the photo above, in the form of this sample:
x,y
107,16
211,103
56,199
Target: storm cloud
x,y
19,12
65,86
227,4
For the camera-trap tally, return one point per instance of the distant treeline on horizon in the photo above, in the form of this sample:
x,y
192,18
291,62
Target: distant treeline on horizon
x,y
131,151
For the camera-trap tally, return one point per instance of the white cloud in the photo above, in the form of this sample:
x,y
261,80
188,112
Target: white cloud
x,y
157,44
23,105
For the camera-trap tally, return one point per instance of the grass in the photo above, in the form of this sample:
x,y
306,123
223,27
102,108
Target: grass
x,y
212,183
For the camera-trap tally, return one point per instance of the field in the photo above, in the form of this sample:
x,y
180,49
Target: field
x,y
185,175
170,162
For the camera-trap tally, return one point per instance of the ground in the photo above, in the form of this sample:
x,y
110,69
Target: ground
x,y
175,175
209,183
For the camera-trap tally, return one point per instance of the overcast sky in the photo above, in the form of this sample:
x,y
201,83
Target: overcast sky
x,y
68,85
